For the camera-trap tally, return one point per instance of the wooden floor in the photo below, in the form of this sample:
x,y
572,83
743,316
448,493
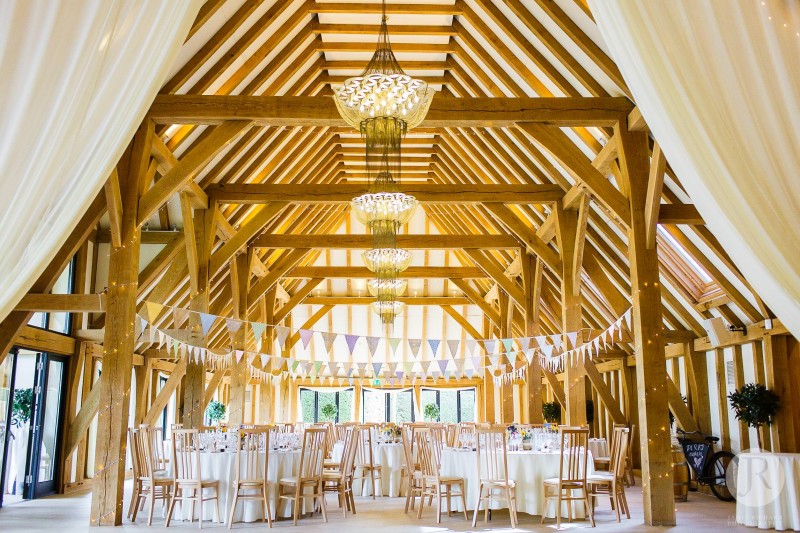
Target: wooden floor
x,y
63,514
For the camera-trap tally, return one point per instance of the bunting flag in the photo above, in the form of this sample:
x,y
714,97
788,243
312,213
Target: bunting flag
x,y
282,333
529,354
477,362
239,354
572,337
556,342
407,367
327,339
524,342
488,345
233,328
376,369
317,366
394,343
434,344
206,321
372,344
453,347
258,329
361,368
494,358
470,346
264,360
153,310
512,358
179,316
351,342
305,336
548,351
442,365
415,344
508,344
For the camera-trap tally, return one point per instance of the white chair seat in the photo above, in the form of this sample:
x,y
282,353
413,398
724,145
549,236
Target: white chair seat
x,y
250,482
499,482
555,481
293,481
600,476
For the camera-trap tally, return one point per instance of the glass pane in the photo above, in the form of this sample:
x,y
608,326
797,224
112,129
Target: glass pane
x,y
307,405
325,398
5,397
346,406
448,406
38,320
427,396
59,322
374,406
467,405
402,406
47,461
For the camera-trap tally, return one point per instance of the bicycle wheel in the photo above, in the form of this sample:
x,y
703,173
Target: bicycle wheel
x,y
722,485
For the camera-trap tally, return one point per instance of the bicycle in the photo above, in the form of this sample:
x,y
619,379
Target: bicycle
x,y
710,468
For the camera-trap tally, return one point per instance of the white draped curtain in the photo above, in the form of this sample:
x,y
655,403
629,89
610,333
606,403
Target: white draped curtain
x,y
718,84
76,79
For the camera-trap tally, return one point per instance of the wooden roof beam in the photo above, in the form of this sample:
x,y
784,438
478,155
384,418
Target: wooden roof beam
x,y
408,242
353,272
444,112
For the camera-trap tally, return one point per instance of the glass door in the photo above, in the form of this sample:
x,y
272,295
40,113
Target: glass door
x,y
6,377
46,425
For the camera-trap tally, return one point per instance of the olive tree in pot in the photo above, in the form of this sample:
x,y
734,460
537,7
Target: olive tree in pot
x,y
329,412
431,412
21,407
755,405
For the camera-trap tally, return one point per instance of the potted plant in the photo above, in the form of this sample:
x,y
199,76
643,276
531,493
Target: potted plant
x,y
551,411
431,412
215,411
22,407
329,412
755,405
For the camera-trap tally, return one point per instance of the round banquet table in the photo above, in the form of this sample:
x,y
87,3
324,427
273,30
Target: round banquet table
x,y
528,469
391,457
598,447
221,466
768,491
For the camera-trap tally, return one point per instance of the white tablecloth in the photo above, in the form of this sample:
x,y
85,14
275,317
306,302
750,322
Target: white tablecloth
x,y
528,470
221,466
598,447
768,491
391,457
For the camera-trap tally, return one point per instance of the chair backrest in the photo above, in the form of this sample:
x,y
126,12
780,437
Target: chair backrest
x,y
154,440
426,455
407,438
490,451
348,460
438,437
364,451
248,454
137,454
452,434
186,455
330,439
312,454
620,452
574,453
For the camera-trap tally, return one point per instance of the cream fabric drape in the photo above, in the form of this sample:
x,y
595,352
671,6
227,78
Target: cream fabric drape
x,y
76,78
719,86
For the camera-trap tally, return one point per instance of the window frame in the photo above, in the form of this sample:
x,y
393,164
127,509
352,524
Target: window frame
x,y
387,398
316,401
459,390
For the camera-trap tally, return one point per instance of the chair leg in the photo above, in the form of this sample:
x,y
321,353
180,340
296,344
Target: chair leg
x,y
438,504
558,508
152,503
463,500
216,505
510,513
588,507
171,508
477,506
421,500
322,503
297,502
233,507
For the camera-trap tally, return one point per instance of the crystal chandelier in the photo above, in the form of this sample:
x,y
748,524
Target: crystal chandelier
x,y
387,289
387,310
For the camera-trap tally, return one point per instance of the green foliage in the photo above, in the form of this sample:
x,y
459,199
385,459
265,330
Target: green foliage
x,y
754,404
215,411
329,412
22,407
431,412
551,411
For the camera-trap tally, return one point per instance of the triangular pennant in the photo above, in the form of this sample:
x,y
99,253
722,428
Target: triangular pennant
x,y
233,328
305,336
556,342
394,343
317,366
470,372
398,374
179,315
376,369
477,362
153,310
239,354
494,358
206,321
470,345
453,345
258,330
327,339
434,344
264,360
282,333
414,344
372,344
529,354
351,342
512,358
489,344
361,368
442,365
572,337
508,344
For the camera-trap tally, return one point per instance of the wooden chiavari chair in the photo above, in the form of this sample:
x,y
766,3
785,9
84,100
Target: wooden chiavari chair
x,y
571,474
149,484
604,462
365,466
490,451
340,479
188,482
412,470
432,481
438,437
251,474
612,483
308,476
463,428
155,441
452,432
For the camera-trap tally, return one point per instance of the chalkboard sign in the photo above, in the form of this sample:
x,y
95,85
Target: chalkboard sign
x,y
696,455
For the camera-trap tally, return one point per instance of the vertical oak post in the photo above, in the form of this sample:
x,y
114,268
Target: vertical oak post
x,y
115,387
651,372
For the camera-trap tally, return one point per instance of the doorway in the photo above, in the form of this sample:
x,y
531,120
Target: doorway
x,y
32,396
